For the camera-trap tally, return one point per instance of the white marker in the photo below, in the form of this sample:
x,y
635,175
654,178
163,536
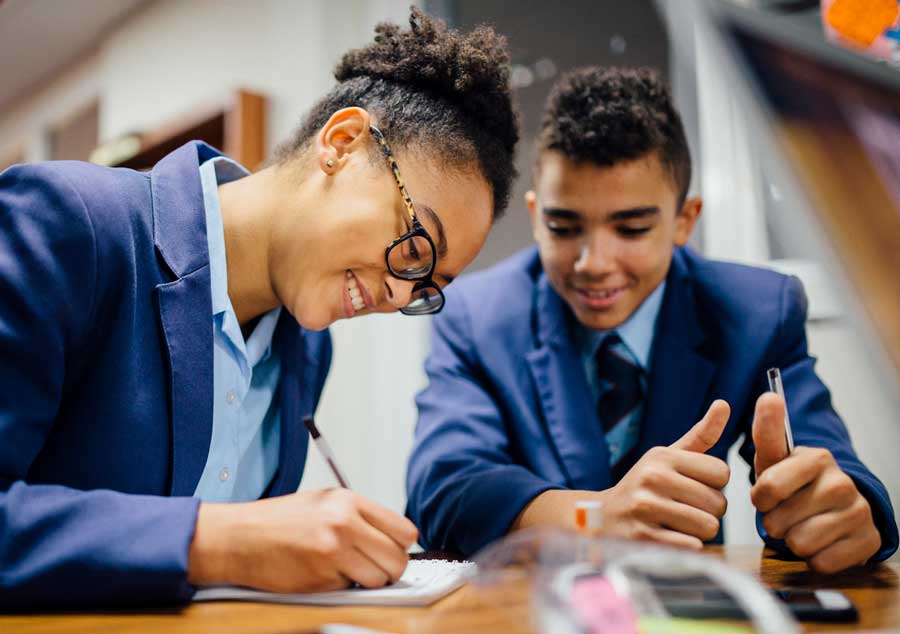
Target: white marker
x,y
589,516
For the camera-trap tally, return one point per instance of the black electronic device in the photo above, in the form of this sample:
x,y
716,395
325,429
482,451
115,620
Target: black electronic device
x,y
699,598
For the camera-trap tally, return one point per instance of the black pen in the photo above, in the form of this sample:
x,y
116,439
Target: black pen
x,y
325,450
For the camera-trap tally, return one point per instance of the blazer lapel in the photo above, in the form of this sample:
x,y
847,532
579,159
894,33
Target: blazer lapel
x,y
564,395
185,309
680,370
186,315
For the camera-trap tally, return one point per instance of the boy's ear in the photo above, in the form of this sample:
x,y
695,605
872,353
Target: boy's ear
x,y
686,220
344,132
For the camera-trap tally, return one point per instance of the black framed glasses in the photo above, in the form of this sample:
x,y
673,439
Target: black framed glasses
x,y
412,256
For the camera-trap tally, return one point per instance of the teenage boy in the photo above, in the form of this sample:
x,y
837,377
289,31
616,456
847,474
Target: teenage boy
x,y
578,369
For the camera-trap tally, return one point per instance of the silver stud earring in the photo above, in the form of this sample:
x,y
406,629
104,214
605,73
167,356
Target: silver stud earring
x,y
329,163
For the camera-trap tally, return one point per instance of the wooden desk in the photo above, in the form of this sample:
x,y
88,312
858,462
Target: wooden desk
x,y
875,591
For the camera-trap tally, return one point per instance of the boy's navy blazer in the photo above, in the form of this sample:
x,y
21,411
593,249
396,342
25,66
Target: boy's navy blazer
x,y
106,362
508,413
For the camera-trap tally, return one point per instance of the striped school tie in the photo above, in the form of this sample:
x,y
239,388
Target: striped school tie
x,y
621,396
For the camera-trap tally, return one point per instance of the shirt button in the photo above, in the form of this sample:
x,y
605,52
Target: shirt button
x,y
224,474
230,396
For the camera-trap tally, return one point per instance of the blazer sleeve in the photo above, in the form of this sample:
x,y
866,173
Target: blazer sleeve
x,y
61,547
464,486
813,420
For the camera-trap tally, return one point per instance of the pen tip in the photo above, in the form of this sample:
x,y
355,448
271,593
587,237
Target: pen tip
x,y
311,426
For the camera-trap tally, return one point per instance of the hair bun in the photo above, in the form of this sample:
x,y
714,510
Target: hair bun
x,y
470,70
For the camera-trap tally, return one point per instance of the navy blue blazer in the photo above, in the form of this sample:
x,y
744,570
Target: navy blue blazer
x,y
106,361
508,414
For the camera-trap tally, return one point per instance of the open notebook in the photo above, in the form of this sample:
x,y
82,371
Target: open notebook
x,y
424,582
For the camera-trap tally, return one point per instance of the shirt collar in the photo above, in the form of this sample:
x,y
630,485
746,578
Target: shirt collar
x,y
214,172
259,345
637,331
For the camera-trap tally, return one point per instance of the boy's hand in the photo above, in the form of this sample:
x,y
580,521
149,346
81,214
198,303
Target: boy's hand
x,y
806,499
305,542
672,495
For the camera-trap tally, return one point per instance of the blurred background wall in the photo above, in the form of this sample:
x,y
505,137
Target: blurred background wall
x,y
79,74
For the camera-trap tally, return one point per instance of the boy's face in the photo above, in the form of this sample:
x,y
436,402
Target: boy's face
x,y
606,234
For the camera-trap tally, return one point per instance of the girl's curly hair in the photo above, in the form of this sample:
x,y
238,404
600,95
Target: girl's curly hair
x,y
433,87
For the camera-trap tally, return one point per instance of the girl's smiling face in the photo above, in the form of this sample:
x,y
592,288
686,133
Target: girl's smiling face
x,y
336,268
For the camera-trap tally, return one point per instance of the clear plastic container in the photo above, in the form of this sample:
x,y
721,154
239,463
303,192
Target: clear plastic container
x,y
581,584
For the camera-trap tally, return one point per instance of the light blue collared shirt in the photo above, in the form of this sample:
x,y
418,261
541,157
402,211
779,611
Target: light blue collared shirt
x,y
243,451
637,334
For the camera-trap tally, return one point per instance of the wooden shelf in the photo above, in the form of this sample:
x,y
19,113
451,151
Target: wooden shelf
x,y
237,127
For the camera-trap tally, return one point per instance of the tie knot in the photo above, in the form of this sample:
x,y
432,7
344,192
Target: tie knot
x,y
611,340
620,381
613,352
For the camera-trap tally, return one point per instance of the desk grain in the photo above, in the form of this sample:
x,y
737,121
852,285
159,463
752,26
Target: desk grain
x,y
471,610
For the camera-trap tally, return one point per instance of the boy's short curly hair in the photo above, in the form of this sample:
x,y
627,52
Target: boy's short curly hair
x,y
436,88
608,115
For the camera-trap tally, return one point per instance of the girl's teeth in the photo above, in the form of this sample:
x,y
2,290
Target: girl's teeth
x,y
355,296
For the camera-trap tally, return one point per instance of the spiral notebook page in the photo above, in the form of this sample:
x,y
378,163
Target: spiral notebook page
x,y
424,582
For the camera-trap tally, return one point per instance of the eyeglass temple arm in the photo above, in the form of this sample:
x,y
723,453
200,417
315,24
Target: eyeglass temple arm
x,y
395,170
